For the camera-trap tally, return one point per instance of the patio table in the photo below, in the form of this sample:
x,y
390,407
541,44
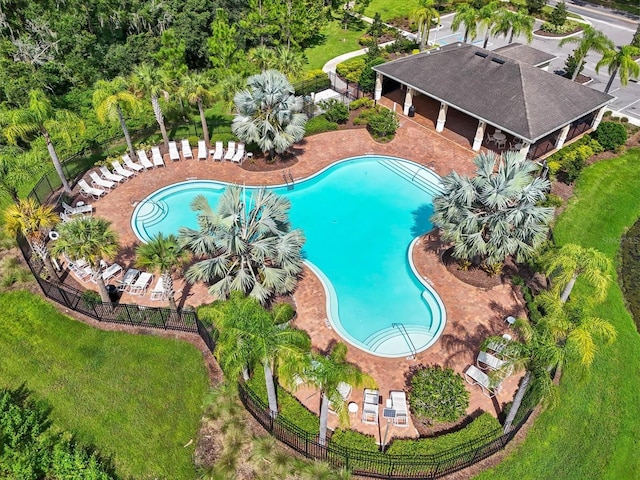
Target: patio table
x,y
499,137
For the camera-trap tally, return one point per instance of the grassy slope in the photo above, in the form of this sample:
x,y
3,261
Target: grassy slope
x,y
337,41
593,432
391,9
136,398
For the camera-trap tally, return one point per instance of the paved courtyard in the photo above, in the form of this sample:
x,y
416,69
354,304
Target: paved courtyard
x,y
472,313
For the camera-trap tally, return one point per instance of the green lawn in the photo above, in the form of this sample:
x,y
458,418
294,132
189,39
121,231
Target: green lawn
x,y
337,41
593,433
391,9
137,398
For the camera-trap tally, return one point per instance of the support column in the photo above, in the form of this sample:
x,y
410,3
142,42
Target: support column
x,y
562,137
378,91
442,117
598,119
477,140
408,100
524,150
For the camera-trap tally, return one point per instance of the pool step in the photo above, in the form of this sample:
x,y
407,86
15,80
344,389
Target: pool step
x,y
425,179
152,213
391,340
436,309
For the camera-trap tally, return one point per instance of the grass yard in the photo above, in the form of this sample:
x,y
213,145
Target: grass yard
x,y
391,9
137,398
593,432
337,41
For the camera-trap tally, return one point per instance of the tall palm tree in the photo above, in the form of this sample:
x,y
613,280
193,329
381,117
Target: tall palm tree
x,y
147,80
487,16
592,40
195,88
424,16
246,246
34,221
326,372
513,24
39,117
269,113
163,254
622,63
466,15
496,213
571,261
91,239
109,100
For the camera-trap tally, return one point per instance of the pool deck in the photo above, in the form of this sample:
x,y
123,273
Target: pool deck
x,y
472,313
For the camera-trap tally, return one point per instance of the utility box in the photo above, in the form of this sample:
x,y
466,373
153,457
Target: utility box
x,y
412,111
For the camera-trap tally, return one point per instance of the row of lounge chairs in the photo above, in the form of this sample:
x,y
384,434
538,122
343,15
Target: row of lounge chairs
x,y
494,358
233,153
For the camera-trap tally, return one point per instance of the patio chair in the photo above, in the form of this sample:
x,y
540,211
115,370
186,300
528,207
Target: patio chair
x,y
174,155
120,170
87,190
399,404
141,284
219,151
370,407
475,376
83,272
202,150
77,210
158,161
144,160
96,181
231,151
136,167
65,218
487,361
128,279
186,149
239,156
490,138
501,143
113,177
110,272
159,292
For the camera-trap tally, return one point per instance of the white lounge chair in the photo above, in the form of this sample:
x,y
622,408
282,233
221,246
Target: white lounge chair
x,y
158,161
87,190
120,170
136,167
202,150
128,279
219,151
159,292
485,360
96,181
113,177
231,151
173,152
82,271
478,377
239,156
110,272
399,404
370,407
78,210
144,160
141,284
186,149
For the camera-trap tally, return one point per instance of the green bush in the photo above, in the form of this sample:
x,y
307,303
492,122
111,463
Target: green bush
x,y
485,427
552,200
437,395
351,69
355,440
90,298
335,111
282,313
364,116
611,135
567,27
360,103
367,80
383,124
572,159
319,124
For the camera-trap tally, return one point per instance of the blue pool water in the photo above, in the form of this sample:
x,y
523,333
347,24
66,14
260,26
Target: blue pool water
x,y
359,217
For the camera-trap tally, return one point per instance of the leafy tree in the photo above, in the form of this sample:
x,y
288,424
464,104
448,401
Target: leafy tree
x,y
466,15
34,222
438,394
195,88
611,135
592,40
40,118
262,22
535,6
109,100
147,80
494,214
91,239
622,63
171,56
17,168
227,87
558,15
269,113
247,245
513,24
367,80
383,124
163,254
425,16
571,66
222,43
376,29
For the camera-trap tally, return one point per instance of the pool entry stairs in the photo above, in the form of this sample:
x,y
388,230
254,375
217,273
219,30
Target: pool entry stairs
x,y
152,212
423,178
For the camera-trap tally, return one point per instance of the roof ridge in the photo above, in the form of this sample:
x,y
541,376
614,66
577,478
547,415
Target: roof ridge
x,y
525,103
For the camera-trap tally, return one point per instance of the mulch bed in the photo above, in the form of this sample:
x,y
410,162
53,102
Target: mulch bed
x,y
542,33
261,163
473,275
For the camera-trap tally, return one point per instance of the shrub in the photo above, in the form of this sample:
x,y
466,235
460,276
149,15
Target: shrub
x,y
611,135
535,6
319,124
383,124
361,102
552,200
90,298
336,111
367,80
353,439
558,15
283,312
438,395
351,69
554,167
364,116
567,27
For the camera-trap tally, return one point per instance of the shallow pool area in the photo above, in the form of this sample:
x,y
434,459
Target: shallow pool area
x,y
360,217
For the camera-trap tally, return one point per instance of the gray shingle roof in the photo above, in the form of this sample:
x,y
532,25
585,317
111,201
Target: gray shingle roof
x,y
525,53
520,98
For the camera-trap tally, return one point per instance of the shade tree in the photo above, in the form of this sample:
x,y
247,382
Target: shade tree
x,y
591,40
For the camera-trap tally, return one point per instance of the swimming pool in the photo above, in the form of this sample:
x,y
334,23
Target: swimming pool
x,y
360,217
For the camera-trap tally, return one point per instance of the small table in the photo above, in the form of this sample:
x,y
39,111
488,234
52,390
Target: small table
x,y
80,204
352,407
499,137
510,320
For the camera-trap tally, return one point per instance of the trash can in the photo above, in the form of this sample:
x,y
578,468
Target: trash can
x,y
412,111
114,293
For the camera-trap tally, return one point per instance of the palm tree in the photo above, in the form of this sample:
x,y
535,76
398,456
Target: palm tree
x,y
262,57
269,113
147,80
34,221
622,63
246,246
164,254
289,61
109,99
571,261
39,117
16,169
496,213
487,16
326,372
513,24
91,239
592,40
424,16
195,88
227,87
466,15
